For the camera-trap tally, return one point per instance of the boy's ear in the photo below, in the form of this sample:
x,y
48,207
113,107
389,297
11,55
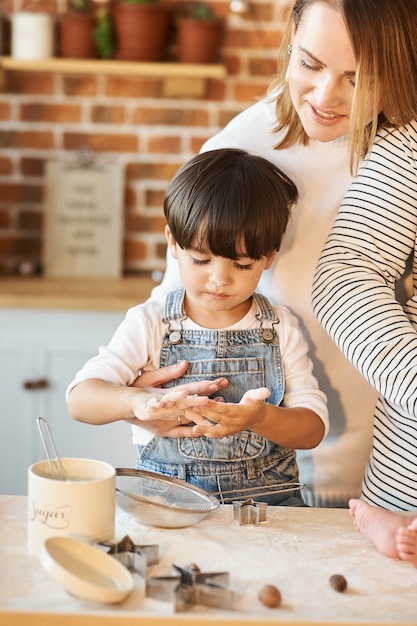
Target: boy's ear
x,y
270,259
172,244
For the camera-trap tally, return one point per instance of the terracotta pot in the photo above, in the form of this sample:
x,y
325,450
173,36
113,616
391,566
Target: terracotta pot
x,y
77,36
199,41
141,31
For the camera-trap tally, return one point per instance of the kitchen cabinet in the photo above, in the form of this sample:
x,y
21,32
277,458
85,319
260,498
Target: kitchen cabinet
x,y
40,351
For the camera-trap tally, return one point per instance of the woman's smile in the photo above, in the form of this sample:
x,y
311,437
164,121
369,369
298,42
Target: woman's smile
x,y
324,117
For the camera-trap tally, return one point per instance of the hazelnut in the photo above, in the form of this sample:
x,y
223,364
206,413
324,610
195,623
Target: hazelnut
x,y
270,596
194,567
338,582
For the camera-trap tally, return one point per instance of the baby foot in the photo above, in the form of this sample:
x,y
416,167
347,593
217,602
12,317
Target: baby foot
x,y
378,525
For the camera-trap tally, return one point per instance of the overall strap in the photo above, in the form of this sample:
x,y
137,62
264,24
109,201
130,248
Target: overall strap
x,y
173,308
265,310
174,301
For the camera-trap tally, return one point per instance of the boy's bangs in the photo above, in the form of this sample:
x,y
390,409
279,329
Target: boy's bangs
x,y
223,238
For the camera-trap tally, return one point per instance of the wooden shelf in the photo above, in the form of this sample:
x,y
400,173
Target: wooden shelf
x,y
180,79
121,68
111,294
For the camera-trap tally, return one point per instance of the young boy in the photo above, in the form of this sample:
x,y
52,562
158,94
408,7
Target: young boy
x,y
226,213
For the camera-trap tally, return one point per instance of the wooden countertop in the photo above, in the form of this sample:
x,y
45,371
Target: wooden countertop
x,y
92,294
296,549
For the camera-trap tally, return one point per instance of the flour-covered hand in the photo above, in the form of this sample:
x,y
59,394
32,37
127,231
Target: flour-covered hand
x,y
224,419
167,406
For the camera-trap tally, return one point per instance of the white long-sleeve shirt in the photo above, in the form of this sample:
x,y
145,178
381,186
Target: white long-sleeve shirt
x,y
354,297
137,342
334,470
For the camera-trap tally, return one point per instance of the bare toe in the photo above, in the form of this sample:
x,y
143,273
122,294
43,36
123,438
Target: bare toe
x,y
406,542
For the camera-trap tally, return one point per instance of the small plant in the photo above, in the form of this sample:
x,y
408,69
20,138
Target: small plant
x,y
103,34
80,6
201,11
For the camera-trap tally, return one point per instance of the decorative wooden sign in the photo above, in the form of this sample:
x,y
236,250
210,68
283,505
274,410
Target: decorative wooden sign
x,y
84,220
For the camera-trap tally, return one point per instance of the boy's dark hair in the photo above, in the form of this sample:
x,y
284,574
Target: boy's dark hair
x,y
224,199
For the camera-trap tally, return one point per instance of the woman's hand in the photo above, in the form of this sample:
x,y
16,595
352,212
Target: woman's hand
x,y
165,413
176,428
156,378
167,404
151,379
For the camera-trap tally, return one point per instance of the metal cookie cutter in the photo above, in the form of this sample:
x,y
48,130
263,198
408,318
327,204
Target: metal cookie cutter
x,y
228,497
135,557
249,512
190,587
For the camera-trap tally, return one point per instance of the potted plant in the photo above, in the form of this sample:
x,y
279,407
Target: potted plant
x,y
200,33
77,27
141,29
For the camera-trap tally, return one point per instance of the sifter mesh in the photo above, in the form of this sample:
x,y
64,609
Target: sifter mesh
x,y
158,500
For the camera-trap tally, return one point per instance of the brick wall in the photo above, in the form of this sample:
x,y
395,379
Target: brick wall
x,y
123,119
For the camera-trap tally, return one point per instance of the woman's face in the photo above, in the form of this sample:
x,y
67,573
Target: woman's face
x,y
322,73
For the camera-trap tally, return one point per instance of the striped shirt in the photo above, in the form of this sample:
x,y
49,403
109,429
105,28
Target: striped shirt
x,y
372,244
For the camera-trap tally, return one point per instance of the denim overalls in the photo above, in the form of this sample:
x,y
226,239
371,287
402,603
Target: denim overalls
x,y
248,359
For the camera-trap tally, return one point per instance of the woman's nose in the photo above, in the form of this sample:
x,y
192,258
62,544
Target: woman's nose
x,y
327,93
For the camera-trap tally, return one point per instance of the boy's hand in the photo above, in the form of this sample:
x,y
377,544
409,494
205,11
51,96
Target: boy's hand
x,y
223,419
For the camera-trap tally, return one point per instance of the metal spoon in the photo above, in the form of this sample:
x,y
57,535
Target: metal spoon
x,y
60,473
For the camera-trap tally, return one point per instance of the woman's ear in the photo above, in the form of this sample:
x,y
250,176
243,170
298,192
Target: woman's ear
x,y
172,244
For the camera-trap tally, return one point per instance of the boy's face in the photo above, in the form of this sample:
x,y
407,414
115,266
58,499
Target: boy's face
x,y
218,290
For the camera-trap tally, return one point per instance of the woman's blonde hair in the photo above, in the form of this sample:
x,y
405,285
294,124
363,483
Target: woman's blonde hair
x,y
383,34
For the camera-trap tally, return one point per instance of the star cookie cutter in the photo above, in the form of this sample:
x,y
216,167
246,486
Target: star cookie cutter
x,y
249,512
133,556
189,586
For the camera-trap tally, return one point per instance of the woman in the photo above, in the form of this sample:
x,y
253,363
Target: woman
x,y
350,71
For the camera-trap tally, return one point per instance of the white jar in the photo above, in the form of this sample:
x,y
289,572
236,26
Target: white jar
x,y
32,35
